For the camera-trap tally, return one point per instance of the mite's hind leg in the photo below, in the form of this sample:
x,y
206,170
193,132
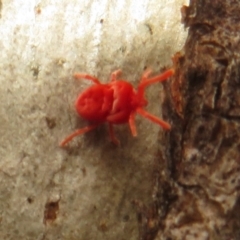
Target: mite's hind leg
x,y
77,133
132,124
154,119
112,135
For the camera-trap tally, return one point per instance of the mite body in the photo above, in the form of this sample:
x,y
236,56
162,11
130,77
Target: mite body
x,y
116,102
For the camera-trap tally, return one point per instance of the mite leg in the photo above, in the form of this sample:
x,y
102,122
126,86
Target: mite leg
x,y
115,74
154,119
145,74
159,78
76,133
112,135
132,124
115,117
148,81
86,76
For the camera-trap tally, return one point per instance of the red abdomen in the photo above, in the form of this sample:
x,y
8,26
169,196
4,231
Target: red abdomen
x,y
112,102
95,103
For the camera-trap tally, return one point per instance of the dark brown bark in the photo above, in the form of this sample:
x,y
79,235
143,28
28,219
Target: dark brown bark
x,y
198,190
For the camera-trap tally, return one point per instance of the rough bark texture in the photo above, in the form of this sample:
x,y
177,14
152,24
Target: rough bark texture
x,y
200,160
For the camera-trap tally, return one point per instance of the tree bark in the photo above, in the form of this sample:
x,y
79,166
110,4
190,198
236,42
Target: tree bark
x,y
197,186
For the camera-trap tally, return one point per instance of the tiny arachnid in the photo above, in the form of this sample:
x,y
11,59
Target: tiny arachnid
x,y
116,102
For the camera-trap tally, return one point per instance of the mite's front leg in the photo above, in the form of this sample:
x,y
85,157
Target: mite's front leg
x,y
86,76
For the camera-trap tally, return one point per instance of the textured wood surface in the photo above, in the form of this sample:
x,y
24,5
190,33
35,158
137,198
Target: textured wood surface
x,y
197,186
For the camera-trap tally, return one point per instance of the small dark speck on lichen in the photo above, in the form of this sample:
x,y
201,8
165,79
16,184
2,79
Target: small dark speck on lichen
x,y
126,218
50,212
84,171
123,49
38,9
51,122
35,71
149,27
30,200
103,226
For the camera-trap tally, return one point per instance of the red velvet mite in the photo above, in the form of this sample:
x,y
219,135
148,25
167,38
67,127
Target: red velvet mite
x,y
116,102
